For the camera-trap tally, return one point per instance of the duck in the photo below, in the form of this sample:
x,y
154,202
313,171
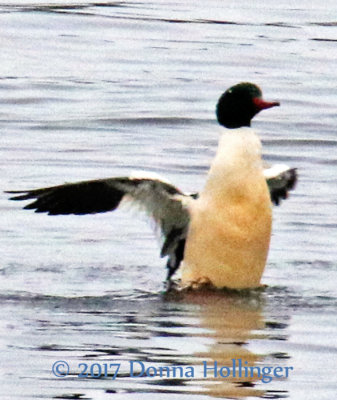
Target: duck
x,y
219,236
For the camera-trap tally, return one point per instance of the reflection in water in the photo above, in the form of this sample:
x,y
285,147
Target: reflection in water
x,y
175,335
177,329
231,320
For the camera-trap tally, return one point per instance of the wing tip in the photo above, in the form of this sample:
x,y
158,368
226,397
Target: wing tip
x,y
19,194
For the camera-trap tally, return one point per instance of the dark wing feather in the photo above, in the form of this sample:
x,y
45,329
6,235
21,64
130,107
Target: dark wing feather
x,y
162,201
280,179
87,197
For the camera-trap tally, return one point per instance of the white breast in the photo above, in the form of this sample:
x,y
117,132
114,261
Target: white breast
x,y
229,233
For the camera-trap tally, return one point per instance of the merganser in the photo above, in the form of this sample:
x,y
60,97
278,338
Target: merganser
x,y
219,237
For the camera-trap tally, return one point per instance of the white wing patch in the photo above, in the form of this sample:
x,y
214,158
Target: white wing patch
x,y
275,171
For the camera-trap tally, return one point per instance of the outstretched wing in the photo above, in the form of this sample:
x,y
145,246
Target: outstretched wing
x,y
166,204
280,179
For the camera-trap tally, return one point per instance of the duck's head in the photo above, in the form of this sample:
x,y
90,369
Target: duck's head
x,y
239,104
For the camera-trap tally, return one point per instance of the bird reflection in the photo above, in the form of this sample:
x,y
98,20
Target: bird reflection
x,y
230,319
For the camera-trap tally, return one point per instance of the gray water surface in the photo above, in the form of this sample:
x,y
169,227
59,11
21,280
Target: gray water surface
x,y
93,90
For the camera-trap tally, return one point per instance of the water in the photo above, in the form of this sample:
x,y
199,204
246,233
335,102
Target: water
x,y
90,90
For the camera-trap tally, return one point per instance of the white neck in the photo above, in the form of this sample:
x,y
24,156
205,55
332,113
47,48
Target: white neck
x,y
238,156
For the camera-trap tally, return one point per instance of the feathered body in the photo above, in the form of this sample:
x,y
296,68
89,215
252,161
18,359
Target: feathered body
x,y
229,233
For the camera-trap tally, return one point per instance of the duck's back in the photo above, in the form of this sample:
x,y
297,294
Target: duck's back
x,y
229,233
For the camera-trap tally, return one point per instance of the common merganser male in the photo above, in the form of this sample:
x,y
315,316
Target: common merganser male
x,y
219,237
